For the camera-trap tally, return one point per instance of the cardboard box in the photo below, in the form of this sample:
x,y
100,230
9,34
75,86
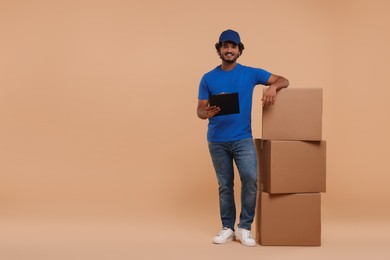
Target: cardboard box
x,y
291,166
289,219
296,115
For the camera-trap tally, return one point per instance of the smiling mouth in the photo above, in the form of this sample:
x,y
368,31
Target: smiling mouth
x,y
228,57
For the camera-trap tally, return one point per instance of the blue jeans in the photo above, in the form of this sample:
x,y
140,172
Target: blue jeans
x,y
243,152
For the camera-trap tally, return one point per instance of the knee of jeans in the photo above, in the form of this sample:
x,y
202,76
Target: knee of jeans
x,y
250,186
226,188
249,179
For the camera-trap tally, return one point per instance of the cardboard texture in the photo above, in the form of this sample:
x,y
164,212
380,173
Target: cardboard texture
x,y
289,219
291,166
296,115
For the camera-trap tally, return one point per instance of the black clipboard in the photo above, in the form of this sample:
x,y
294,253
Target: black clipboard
x,y
228,102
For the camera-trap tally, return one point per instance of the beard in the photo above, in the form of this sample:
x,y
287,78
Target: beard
x,y
232,60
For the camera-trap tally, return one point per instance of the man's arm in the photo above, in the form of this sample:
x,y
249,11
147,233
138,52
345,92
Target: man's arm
x,y
275,83
205,111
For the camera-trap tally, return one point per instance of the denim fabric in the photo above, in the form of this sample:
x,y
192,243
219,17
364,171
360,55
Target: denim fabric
x,y
243,153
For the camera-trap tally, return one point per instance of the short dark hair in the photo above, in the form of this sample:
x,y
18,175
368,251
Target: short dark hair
x,y
218,46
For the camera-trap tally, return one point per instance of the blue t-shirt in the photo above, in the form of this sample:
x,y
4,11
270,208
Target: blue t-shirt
x,y
241,79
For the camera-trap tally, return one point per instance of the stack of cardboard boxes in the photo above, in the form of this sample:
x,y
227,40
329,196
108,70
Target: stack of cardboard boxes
x,y
292,166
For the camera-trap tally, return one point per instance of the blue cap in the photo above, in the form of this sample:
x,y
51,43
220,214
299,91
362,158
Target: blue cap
x,y
230,36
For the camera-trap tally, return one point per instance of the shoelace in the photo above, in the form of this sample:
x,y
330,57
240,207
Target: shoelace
x,y
222,233
248,233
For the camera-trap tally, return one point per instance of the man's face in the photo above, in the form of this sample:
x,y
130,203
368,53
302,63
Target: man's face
x,y
229,52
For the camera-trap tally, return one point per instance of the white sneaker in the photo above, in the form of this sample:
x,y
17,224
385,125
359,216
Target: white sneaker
x,y
245,236
226,235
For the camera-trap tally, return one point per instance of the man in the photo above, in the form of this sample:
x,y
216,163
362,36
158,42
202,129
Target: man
x,y
230,136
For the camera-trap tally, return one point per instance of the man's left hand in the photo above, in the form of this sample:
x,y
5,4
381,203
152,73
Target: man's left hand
x,y
269,96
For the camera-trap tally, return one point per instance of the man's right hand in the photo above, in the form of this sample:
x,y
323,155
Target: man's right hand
x,y
211,111
205,111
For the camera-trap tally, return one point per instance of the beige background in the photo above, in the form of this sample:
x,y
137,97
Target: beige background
x,y
98,122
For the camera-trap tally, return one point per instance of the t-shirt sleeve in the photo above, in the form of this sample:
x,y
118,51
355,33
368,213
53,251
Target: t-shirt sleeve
x,y
203,93
262,76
